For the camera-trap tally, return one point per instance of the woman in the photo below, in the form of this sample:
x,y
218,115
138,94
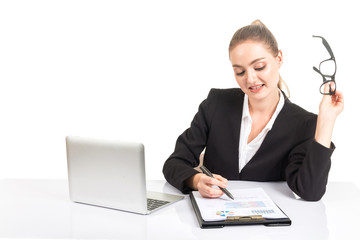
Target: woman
x,y
254,132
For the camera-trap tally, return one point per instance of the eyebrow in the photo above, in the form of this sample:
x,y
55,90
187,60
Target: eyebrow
x,y
252,62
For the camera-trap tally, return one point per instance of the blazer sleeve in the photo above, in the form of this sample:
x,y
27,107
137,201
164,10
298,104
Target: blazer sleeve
x,y
309,165
180,165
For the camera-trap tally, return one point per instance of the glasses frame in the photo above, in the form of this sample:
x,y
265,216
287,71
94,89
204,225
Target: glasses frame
x,y
327,78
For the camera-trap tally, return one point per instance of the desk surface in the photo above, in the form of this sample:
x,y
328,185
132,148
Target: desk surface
x,y
42,209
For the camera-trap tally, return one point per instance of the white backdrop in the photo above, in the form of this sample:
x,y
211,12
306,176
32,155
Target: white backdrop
x,y
137,71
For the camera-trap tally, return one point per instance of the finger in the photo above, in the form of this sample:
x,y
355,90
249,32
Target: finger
x,y
215,182
210,192
206,187
326,98
339,96
221,178
326,87
329,87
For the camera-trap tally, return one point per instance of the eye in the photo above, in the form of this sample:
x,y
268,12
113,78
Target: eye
x,y
240,73
260,68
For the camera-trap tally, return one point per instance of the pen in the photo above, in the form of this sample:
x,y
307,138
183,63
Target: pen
x,y
208,173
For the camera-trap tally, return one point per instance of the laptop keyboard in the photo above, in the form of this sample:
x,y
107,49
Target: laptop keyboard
x,y
154,203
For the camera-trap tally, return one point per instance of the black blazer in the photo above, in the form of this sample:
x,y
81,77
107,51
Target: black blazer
x,y
288,152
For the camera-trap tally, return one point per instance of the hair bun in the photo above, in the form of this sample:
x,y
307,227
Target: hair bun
x,y
257,22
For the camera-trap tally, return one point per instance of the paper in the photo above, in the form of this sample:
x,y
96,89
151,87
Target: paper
x,y
248,202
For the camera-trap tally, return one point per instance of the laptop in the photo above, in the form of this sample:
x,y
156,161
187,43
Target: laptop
x,y
111,174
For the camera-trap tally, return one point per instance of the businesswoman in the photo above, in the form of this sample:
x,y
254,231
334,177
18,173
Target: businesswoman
x,y
254,132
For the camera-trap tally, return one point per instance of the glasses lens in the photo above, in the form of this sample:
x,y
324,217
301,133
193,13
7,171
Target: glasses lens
x,y
328,67
329,91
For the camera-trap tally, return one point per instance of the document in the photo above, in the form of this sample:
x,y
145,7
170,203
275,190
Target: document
x,y
248,202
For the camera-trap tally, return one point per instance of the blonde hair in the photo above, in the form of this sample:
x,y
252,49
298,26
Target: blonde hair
x,y
257,31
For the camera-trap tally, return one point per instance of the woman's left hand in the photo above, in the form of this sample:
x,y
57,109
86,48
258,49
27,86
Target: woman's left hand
x,y
331,105
330,108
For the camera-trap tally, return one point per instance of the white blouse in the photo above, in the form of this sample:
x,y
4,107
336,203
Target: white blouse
x,y
248,150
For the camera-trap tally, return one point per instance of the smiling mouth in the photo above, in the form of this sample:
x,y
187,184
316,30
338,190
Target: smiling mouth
x,y
256,87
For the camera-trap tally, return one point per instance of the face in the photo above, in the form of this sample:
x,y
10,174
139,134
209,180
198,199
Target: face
x,y
256,69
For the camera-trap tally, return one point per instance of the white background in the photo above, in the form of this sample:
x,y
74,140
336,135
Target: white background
x,y
137,71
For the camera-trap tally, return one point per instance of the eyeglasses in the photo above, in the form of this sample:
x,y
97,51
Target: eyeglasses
x,y
327,69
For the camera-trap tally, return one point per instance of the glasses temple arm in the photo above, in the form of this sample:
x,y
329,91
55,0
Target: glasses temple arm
x,y
327,46
317,70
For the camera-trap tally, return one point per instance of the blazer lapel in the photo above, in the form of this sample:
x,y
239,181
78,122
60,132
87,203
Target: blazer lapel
x,y
235,115
280,125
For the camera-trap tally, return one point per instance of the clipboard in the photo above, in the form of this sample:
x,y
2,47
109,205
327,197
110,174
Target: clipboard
x,y
238,220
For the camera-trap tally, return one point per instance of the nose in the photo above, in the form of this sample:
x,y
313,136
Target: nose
x,y
251,76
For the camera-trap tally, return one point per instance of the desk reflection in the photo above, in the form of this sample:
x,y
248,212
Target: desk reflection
x,y
32,209
92,222
41,209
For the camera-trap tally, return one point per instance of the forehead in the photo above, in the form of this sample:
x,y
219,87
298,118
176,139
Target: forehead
x,y
245,52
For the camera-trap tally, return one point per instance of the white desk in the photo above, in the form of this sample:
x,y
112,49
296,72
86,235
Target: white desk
x,y
42,209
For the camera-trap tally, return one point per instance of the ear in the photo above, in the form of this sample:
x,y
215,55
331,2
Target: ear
x,y
280,58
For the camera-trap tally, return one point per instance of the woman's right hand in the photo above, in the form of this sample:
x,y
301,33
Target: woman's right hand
x,y
205,185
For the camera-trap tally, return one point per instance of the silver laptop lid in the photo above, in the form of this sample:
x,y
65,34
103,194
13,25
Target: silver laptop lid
x,y
107,173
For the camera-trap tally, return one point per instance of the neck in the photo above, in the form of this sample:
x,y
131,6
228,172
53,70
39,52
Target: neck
x,y
264,106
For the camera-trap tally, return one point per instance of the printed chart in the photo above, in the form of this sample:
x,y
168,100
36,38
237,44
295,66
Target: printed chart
x,y
247,202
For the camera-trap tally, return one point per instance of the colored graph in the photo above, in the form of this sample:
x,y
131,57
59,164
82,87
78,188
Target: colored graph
x,y
263,212
225,213
248,204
